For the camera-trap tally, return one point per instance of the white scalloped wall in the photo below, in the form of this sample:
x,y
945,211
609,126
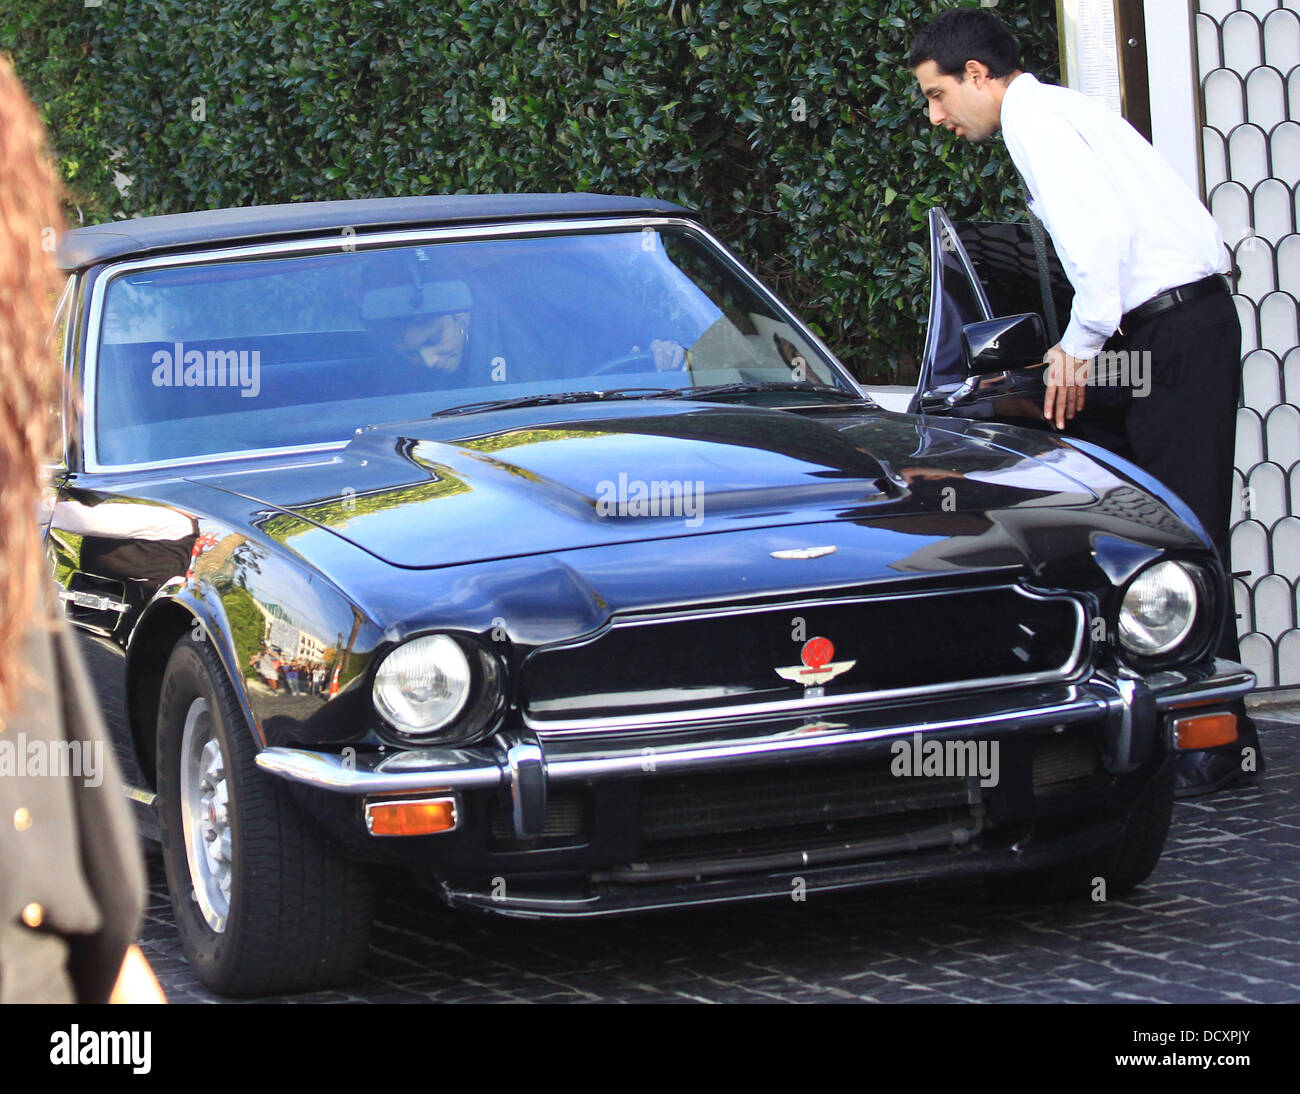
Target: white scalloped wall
x,y
1248,58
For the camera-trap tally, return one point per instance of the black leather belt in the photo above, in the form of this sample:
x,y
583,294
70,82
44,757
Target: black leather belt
x,y
1171,298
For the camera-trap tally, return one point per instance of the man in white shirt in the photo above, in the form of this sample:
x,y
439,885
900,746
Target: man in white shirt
x,y
1146,261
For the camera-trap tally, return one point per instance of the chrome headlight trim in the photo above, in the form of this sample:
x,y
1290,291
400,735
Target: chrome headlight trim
x,y
1162,609
472,680
422,685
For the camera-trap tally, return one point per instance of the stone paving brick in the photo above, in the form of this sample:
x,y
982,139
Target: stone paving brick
x,y
1218,921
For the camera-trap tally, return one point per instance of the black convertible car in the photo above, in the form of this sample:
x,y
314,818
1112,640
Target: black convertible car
x,y
529,543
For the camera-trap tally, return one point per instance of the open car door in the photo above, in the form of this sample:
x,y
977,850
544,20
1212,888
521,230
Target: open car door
x,y
987,336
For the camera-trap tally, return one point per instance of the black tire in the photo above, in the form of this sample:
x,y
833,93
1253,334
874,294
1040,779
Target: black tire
x,y
297,914
1124,865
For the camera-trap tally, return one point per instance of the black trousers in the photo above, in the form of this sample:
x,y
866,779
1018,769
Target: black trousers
x,y
1179,422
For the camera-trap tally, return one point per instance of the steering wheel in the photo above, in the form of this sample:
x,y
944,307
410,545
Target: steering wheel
x,y
639,361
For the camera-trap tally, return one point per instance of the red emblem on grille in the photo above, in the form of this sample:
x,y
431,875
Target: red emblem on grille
x,y
817,665
817,653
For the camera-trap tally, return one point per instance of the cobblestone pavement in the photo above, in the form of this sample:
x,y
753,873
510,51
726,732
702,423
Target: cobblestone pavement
x,y
1218,921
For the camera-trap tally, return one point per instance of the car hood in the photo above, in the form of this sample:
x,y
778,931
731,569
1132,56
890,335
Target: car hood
x,y
544,479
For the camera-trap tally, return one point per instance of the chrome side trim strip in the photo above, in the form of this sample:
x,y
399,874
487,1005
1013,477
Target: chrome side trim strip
x,y
224,458
805,552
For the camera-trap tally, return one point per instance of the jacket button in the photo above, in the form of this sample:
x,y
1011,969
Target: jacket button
x,y
33,915
22,818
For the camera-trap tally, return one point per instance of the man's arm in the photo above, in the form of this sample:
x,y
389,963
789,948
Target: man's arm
x,y
1088,223
1091,231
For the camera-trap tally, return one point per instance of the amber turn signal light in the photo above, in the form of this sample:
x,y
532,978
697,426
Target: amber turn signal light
x,y
1205,730
422,817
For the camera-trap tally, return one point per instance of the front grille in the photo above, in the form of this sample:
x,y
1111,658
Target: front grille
x,y
1062,759
734,849
568,820
725,661
757,812
742,801
716,825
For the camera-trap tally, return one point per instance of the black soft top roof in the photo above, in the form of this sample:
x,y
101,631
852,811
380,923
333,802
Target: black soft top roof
x,y
82,247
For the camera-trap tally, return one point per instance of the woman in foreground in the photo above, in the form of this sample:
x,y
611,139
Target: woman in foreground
x,y
71,879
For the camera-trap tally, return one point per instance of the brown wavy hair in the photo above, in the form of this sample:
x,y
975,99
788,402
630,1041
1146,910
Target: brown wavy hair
x,y
30,377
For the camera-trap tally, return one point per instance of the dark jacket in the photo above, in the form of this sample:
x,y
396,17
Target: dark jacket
x,y
71,876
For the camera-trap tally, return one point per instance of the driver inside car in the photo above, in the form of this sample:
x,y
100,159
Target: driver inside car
x,y
427,326
438,342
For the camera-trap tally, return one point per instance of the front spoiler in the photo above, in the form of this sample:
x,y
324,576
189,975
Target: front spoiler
x,y
952,860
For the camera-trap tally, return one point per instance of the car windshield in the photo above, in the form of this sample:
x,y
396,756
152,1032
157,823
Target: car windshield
x,y
223,357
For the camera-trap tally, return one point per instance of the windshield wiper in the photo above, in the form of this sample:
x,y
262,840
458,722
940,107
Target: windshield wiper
x,y
771,385
554,398
561,397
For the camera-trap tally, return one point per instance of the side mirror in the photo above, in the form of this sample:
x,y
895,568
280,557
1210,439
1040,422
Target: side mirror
x,y
1014,341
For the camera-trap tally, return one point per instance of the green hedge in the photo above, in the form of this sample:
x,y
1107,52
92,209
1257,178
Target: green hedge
x,y
793,126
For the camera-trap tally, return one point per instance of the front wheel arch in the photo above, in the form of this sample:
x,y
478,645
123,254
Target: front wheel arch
x,y
163,624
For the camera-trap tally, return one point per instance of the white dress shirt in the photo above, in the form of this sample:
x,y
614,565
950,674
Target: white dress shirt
x,y
1125,226
122,520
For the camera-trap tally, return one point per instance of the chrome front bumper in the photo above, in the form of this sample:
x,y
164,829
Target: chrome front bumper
x,y
525,765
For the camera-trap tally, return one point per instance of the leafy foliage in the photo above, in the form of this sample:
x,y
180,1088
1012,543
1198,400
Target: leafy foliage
x,y
795,128
247,625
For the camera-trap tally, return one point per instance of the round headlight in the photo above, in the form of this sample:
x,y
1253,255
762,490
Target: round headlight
x,y
423,684
1159,610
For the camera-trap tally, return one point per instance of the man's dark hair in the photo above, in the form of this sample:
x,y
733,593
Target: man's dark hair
x,y
966,34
